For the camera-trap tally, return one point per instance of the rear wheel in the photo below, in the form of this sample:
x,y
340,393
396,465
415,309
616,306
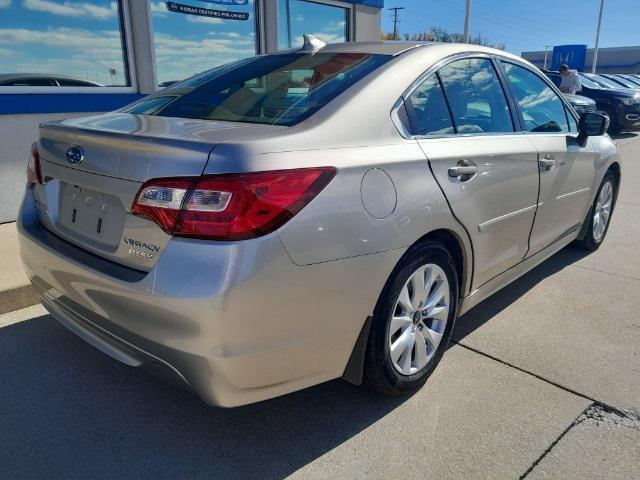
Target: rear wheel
x,y
600,214
413,321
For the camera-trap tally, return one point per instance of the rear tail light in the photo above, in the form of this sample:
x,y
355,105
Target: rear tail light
x,y
33,167
230,206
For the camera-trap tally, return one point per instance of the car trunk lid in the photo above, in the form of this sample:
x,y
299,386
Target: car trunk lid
x,y
93,168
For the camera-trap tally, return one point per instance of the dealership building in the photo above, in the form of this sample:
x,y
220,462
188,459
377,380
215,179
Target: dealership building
x,y
60,59
610,60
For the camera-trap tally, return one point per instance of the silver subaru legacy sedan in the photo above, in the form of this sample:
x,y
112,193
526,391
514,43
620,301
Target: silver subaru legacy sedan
x,y
308,215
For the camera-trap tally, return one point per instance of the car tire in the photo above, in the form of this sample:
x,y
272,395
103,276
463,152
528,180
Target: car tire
x,y
603,204
385,370
614,127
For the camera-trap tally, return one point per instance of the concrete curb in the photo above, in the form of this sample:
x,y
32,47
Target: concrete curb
x,y
18,298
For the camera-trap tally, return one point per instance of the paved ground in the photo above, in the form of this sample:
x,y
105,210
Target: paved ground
x,y
15,289
542,382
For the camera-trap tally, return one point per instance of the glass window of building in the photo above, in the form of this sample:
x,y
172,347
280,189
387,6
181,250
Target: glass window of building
x,y
329,23
54,43
190,41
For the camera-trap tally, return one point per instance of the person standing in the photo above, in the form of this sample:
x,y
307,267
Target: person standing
x,y
570,80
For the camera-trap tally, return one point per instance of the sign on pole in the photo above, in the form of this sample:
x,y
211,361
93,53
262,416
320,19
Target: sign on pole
x,y
571,55
206,12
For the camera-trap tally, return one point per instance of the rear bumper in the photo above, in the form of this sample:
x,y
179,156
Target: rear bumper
x,y
237,322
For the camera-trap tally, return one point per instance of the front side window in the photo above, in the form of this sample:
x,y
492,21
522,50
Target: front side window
x,y
329,23
62,43
274,89
427,109
476,97
541,107
190,39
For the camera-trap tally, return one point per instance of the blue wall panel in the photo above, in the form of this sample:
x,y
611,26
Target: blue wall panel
x,y
64,102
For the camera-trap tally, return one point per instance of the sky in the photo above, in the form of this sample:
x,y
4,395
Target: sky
x,y
525,25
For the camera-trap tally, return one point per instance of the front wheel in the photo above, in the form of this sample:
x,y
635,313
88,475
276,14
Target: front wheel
x,y
413,321
614,127
599,214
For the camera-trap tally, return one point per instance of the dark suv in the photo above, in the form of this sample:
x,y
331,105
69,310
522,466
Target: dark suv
x,y
622,105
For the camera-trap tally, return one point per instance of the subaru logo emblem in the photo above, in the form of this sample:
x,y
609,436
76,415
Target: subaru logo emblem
x,y
75,155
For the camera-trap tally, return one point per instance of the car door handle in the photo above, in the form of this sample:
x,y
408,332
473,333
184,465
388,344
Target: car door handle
x,y
463,171
547,163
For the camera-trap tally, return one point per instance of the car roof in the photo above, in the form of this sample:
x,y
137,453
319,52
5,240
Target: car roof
x,y
9,76
377,47
395,48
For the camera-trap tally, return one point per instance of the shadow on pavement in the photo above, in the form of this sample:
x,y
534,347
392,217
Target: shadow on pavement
x,y
485,311
68,411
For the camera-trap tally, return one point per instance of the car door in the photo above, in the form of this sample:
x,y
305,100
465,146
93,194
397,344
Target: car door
x,y
488,172
566,168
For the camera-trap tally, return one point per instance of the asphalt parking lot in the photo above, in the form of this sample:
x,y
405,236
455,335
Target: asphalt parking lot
x,y
542,381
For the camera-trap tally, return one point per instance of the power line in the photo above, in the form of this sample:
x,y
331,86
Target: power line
x,y
396,19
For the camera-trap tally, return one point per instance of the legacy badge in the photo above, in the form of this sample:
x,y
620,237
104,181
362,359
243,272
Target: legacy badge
x,y
140,249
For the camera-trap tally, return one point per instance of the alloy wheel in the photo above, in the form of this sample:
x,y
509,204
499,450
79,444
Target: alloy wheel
x,y
419,319
602,211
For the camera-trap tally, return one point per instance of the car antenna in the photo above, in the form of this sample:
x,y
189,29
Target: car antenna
x,y
312,43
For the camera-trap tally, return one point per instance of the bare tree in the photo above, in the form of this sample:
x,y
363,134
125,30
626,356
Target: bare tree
x,y
437,34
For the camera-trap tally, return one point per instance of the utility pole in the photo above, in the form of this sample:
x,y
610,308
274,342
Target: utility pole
x,y
467,21
595,50
396,20
546,51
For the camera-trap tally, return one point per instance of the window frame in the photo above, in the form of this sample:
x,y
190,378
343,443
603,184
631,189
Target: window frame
x,y
124,22
399,110
568,109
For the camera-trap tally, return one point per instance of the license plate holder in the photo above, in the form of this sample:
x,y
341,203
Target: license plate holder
x,y
90,216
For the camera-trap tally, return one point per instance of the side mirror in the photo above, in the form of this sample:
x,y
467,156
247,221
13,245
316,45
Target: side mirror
x,y
592,124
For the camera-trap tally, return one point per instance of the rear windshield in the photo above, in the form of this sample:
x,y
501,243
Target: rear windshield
x,y
274,89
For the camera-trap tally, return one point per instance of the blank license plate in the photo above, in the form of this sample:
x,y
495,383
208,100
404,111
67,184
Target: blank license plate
x,y
91,215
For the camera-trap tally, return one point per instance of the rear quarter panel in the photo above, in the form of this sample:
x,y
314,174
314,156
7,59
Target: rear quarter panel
x,y
337,225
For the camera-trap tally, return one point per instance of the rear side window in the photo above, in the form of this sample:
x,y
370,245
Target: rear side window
x,y
428,111
279,89
476,97
542,109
